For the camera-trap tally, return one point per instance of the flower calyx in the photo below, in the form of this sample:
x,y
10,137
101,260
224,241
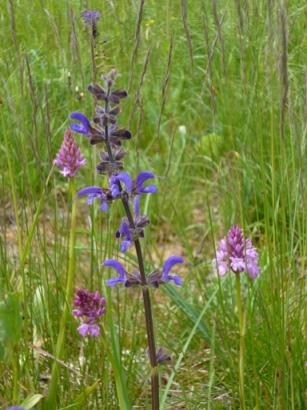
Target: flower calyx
x,y
105,95
109,167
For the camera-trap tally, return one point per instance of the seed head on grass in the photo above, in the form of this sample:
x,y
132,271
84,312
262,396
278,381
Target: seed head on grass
x,y
237,254
69,157
92,306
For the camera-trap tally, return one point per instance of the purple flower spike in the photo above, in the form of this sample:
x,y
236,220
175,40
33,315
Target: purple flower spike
x,y
95,192
140,179
89,330
122,177
90,17
168,264
237,254
124,232
81,129
69,157
92,306
120,270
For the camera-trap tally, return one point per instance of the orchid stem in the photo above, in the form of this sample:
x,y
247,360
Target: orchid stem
x,y
51,399
242,333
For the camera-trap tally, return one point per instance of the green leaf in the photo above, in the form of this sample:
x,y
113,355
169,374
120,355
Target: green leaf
x,y
10,320
2,351
82,397
31,400
188,310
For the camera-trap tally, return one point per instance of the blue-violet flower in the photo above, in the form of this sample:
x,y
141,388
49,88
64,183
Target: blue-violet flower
x,y
85,128
162,356
16,408
97,133
103,194
127,279
122,278
114,183
138,187
124,232
90,17
160,277
168,264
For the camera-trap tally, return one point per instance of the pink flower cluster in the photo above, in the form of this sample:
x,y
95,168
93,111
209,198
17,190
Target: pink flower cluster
x,y
237,254
69,157
92,306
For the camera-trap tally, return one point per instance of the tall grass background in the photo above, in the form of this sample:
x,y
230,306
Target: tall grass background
x,y
217,107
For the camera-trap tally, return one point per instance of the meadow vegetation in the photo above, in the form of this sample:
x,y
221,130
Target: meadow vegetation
x,y
217,107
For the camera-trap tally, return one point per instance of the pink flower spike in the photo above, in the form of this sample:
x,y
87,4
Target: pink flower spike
x,y
91,306
237,254
69,157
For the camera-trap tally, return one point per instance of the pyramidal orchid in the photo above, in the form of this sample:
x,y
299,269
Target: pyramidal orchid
x,y
69,157
237,254
91,306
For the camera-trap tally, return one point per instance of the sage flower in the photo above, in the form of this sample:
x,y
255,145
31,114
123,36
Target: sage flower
x,y
69,157
127,279
97,133
114,183
103,194
138,184
237,254
122,274
16,408
126,233
168,264
90,19
160,277
161,355
85,126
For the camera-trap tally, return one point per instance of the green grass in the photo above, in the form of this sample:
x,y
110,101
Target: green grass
x,y
219,110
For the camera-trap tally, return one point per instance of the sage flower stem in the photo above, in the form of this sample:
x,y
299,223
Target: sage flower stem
x,y
145,291
151,348
105,130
